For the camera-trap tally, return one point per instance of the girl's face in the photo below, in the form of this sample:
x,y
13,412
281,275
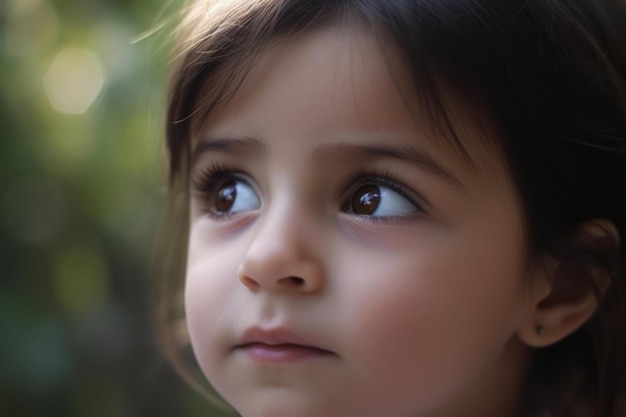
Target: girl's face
x,y
343,260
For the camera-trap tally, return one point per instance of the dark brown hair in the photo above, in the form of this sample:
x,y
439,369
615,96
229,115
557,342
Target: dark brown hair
x,y
551,74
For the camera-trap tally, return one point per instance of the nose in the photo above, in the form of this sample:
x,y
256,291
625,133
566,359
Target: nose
x,y
282,256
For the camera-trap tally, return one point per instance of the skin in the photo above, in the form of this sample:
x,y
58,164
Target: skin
x,y
420,302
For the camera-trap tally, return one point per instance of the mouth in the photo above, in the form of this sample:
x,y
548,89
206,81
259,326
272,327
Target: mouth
x,y
278,346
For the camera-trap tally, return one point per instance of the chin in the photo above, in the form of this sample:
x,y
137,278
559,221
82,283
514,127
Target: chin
x,y
291,406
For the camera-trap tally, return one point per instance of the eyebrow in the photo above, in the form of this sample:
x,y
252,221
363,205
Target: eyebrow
x,y
244,146
413,156
255,148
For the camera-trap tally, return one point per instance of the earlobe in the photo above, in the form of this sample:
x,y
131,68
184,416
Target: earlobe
x,y
571,288
569,304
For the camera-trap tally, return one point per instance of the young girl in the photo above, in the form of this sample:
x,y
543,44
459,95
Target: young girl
x,y
400,208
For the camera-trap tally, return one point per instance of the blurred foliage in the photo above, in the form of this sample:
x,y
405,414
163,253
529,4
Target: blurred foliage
x,y
81,182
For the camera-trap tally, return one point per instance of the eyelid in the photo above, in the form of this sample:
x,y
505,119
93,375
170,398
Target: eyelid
x,y
199,178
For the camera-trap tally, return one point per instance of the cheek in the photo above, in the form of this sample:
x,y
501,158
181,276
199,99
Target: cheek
x,y
431,317
209,283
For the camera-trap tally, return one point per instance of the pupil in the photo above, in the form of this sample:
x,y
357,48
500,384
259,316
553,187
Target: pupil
x,y
226,196
366,200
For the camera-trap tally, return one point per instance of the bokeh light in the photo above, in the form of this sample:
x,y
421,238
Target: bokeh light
x,y
74,80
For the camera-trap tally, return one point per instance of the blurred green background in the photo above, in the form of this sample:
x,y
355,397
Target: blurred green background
x,y
82,94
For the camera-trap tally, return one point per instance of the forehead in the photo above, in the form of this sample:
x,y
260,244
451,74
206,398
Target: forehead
x,y
339,83
303,79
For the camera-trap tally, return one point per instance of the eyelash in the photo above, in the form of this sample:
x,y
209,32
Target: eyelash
x,y
204,181
204,185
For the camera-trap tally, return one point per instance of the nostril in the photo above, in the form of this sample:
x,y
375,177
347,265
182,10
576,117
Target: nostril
x,y
296,281
250,283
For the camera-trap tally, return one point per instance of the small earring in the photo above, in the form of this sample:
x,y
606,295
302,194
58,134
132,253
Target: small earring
x,y
540,330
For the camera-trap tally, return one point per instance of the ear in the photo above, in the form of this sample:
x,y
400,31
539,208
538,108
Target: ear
x,y
569,289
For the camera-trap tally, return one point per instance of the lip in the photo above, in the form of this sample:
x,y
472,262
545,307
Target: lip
x,y
278,345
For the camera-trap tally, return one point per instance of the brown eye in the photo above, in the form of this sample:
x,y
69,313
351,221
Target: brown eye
x,y
379,198
231,196
225,196
365,200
